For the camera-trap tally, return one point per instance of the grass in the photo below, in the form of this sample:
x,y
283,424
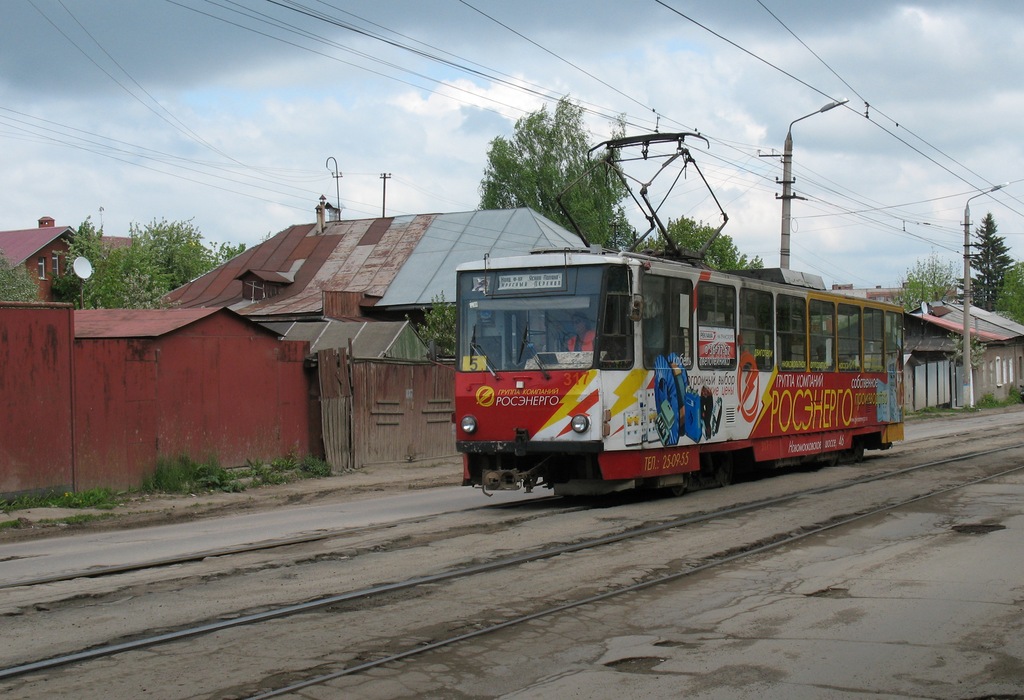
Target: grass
x,y
180,475
986,401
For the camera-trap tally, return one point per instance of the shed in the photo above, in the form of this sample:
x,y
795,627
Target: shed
x,y
202,383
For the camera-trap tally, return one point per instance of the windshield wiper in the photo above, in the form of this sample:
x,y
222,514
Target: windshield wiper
x,y
527,343
475,350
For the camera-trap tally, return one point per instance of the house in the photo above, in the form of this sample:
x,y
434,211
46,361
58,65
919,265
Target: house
x,y
371,269
350,289
930,337
43,250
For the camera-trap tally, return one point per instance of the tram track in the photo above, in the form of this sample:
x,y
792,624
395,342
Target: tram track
x,y
357,596
776,543
95,572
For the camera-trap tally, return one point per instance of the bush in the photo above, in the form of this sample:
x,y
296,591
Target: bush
x,y
183,475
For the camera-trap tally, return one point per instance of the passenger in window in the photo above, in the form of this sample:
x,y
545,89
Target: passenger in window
x,y
582,339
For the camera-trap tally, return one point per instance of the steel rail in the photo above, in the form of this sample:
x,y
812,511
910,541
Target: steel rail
x,y
486,567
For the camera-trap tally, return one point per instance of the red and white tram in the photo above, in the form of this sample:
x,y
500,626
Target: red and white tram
x,y
590,371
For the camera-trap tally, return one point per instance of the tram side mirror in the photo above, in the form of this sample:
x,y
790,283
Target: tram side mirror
x,y
637,310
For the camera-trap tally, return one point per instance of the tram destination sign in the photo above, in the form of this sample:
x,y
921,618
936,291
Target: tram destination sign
x,y
527,281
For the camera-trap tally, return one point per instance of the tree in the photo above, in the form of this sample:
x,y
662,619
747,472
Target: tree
x,y
930,279
1011,298
16,282
547,153
990,264
162,256
721,255
439,326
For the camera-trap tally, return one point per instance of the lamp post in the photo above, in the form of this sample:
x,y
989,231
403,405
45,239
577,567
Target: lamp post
x,y
787,182
968,369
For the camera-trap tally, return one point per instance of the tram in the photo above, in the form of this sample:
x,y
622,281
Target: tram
x,y
590,371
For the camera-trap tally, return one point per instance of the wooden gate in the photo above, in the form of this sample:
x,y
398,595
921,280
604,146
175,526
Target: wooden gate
x,y
336,407
384,410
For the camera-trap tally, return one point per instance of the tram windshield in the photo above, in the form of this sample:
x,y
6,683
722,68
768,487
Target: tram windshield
x,y
542,319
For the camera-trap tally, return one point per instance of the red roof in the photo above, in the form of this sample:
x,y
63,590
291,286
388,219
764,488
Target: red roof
x,y
18,246
135,323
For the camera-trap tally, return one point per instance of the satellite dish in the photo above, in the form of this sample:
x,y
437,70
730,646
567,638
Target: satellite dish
x,y
82,268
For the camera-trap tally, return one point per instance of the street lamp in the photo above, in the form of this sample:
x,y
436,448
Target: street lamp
x,y
787,182
968,370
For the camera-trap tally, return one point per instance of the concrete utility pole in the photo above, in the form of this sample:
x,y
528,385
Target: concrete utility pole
x,y
384,199
968,369
787,182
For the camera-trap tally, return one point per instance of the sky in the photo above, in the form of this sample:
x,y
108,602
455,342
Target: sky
x,y
240,114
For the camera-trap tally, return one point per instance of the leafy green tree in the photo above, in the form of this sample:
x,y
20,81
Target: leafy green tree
x,y
1011,298
930,279
16,282
990,264
546,154
691,235
439,326
162,256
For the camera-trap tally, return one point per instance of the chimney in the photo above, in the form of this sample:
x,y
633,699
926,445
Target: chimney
x,y
46,222
320,215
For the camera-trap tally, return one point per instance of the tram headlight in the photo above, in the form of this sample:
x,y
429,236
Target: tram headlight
x,y
580,423
468,424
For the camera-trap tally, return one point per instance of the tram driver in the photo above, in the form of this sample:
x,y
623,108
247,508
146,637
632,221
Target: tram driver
x,y
582,338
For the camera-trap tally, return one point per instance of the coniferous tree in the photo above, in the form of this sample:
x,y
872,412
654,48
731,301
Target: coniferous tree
x,y
990,263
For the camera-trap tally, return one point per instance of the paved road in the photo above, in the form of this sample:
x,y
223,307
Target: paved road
x,y
42,558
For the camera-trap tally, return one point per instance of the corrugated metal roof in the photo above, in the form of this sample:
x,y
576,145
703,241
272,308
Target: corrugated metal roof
x,y
986,325
453,239
135,323
18,246
369,339
390,262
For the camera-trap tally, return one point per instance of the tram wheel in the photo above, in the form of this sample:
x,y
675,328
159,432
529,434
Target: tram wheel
x,y
857,453
723,469
677,490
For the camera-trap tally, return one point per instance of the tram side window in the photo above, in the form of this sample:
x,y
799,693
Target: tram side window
x,y
716,326
616,342
849,334
873,336
893,341
757,327
791,321
666,320
822,335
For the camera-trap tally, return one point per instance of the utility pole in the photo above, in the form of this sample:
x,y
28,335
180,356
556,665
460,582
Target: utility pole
x,y
337,181
968,369
787,183
384,199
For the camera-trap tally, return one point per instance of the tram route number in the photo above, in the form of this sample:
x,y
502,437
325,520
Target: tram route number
x,y
667,461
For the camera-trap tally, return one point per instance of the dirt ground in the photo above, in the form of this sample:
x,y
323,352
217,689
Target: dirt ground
x,y
142,510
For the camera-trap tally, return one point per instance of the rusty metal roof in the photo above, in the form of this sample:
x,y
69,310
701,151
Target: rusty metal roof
x,y
395,262
136,323
986,325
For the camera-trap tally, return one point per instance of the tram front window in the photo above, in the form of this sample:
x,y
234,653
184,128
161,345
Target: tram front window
x,y
528,319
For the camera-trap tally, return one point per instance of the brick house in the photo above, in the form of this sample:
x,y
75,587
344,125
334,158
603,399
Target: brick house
x,y
43,250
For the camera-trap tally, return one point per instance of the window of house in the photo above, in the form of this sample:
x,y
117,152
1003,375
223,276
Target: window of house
x,y
55,260
41,262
